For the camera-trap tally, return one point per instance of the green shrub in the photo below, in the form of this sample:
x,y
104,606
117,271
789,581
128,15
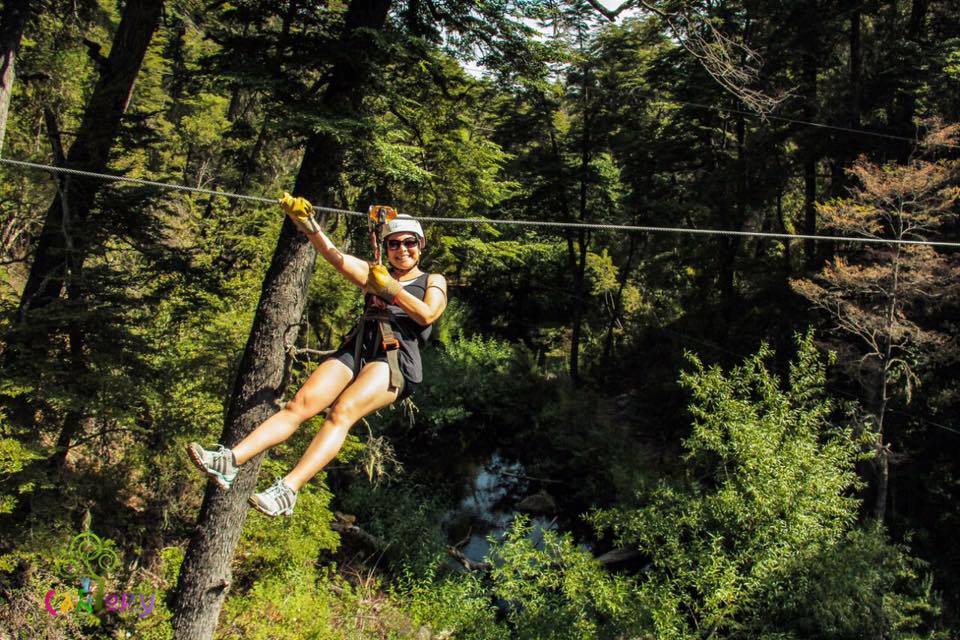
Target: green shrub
x,y
557,589
490,380
761,526
406,519
456,606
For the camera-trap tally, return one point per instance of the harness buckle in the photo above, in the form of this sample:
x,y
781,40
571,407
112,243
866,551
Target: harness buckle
x,y
390,344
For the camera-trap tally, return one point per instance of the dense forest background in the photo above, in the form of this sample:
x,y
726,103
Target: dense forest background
x,y
692,436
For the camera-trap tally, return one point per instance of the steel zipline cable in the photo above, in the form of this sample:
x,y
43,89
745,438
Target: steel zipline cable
x,y
524,223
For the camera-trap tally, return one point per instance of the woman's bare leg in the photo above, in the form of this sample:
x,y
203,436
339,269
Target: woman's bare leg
x,y
369,392
322,387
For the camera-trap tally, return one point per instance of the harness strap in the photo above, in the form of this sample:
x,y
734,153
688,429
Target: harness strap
x,y
358,336
391,346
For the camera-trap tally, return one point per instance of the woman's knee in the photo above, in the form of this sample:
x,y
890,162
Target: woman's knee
x,y
342,414
299,409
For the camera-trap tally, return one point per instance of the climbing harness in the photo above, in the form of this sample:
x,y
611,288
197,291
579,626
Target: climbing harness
x,y
391,346
378,216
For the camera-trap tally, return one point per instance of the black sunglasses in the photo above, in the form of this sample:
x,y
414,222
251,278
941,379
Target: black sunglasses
x,y
408,243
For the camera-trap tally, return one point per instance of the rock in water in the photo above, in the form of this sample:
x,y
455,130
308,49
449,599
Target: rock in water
x,y
541,502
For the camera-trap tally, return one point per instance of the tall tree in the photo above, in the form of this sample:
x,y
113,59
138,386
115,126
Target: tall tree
x,y
877,295
12,21
60,251
582,80
205,574
809,40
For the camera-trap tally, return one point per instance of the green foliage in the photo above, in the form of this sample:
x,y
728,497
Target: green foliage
x,y
487,377
408,519
602,274
862,587
558,590
772,452
14,456
205,119
290,604
753,533
270,545
458,605
512,286
765,501
952,67
452,324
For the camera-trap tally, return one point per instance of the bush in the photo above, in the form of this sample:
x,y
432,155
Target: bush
x,y
558,590
406,518
761,526
490,379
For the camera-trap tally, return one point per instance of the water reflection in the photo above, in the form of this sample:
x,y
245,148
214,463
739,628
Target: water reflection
x,y
490,502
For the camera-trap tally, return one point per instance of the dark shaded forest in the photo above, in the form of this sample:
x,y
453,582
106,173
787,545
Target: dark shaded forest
x,y
644,433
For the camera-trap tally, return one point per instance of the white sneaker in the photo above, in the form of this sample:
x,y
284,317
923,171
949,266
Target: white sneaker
x,y
278,500
216,463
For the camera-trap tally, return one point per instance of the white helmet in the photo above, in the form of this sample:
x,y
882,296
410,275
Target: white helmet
x,y
402,222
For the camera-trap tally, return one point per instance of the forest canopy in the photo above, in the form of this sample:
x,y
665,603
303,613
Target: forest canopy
x,y
658,432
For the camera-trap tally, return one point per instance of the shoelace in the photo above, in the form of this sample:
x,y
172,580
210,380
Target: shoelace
x,y
278,489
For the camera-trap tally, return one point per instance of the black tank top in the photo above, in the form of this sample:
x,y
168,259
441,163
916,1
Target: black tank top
x,y
407,325
411,335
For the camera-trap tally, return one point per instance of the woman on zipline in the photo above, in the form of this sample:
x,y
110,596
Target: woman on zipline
x,y
377,364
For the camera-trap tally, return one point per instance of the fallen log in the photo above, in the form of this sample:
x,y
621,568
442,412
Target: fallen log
x,y
469,565
612,557
360,535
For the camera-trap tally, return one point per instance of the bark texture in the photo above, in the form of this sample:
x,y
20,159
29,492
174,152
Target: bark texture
x,y
12,21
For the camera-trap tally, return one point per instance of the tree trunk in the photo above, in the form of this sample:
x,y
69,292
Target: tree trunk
x,y
205,575
60,249
882,461
847,149
809,74
578,259
618,305
788,245
856,67
883,482
730,245
810,210
12,21
579,278
76,416
905,102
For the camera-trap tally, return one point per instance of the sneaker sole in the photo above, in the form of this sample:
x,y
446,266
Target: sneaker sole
x,y
256,505
213,475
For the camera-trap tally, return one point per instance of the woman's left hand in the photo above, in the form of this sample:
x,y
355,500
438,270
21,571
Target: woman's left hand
x,y
381,284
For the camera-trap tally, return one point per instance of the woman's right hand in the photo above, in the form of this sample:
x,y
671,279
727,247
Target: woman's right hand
x,y
300,211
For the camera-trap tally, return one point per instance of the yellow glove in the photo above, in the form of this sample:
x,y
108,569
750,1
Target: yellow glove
x,y
301,212
380,283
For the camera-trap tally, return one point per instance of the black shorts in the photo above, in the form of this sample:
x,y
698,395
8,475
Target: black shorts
x,y
345,355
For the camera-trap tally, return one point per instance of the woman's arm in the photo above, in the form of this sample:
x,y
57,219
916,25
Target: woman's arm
x,y
434,301
353,269
300,212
